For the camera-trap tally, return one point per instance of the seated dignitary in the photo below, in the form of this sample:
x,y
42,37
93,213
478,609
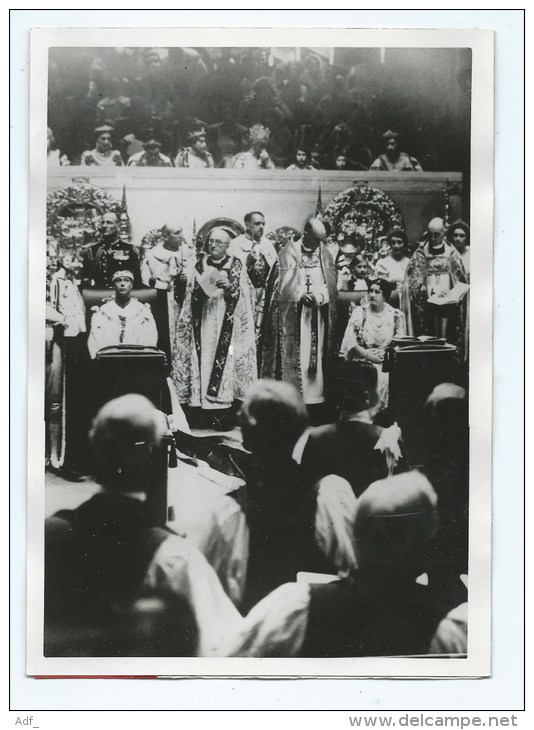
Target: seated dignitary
x,y
353,447
103,152
122,320
150,156
256,157
379,610
215,345
106,550
372,326
195,154
295,523
110,254
392,159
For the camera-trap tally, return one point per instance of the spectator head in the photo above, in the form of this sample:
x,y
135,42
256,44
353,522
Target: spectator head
x,y
109,225
301,157
272,418
354,239
314,233
50,141
123,284
259,138
354,386
255,225
340,160
436,231
124,434
391,144
196,136
316,157
103,137
263,91
349,249
396,519
152,147
217,243
398,243
446,430
360,266
152,60
154,622
172,234
459,235
72,261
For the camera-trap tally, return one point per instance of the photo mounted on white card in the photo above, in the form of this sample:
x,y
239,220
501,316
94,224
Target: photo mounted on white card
x,y
261,347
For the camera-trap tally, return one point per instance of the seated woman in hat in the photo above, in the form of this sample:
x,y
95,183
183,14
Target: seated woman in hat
x,y
371,328
195,153
392,159
123,320
103,152
150,156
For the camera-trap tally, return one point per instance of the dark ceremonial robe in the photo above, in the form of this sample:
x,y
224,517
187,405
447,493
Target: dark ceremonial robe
x,y
283,341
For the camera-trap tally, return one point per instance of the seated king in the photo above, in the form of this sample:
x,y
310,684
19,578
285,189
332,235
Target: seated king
x,y
123,319
215,358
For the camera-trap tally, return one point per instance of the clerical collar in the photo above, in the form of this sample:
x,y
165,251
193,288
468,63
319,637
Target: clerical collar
x,y
218,264
308,250
434,250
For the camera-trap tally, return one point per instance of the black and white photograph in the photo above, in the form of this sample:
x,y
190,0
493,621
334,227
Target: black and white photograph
x,y
260,402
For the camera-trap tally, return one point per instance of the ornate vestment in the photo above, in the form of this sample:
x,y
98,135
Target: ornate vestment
x,y
215,346
257,259
115,325
295,342
429,274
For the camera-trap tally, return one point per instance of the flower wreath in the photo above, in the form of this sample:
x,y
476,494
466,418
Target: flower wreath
x,y
69,231
365,211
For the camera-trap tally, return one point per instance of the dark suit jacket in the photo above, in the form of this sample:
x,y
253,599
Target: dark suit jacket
x,y
346,448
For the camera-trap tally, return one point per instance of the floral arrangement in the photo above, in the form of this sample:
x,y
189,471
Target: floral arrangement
x,y
73,214
362,211
282,235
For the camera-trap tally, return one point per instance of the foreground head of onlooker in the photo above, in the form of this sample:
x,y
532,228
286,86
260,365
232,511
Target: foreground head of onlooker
x,y
354,386
273,417
124,435
446,429
395,521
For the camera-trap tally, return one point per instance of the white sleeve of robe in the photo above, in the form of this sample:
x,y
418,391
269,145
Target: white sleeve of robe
x,y
276,626
179,566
